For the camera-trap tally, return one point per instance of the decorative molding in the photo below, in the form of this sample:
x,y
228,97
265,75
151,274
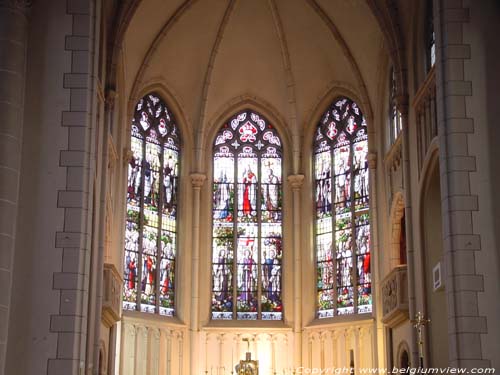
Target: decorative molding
x,y
296,181
21,5
111,295
395,297
198,179
394,156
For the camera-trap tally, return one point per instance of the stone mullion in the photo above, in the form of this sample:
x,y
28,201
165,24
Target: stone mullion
x,y
13,38
354,247
333,233
138,283
458,203
234,271
197,181
159,252
296,182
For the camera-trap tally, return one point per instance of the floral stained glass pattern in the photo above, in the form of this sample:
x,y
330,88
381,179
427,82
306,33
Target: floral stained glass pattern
x,y
247,216
151,227
342,228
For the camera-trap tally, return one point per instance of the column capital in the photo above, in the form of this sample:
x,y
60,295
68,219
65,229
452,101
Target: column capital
x,y
296,180
197,179
21,5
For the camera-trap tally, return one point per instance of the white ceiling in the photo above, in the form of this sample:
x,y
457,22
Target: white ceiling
x,y
259,39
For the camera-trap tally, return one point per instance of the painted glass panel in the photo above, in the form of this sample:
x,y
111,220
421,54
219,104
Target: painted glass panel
x,y
151,228
247,246
342,228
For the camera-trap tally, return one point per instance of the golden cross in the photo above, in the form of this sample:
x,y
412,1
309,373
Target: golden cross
x,y
419,322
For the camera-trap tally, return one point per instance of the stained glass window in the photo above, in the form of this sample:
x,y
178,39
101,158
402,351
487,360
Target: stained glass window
x,y
151,224
342,219
431,36
396,123
247,246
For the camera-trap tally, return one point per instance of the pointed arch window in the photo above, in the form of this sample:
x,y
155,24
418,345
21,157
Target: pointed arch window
x,y
247,246
395,120
430,36
151,221
342,221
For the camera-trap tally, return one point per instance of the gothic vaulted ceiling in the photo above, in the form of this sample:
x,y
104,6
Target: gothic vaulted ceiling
x,y
288,53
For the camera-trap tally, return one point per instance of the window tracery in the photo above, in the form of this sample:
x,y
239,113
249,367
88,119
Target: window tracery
x,y
342,221
151,220
247,246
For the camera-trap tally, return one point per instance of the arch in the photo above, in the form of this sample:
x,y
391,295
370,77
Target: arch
x,y
103,359
234,105
403,355
151,235
345,49
342,218
335,89
173,102
432,255
247,234
174,18
121,21
388,20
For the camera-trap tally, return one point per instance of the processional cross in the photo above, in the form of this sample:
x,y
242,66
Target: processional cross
x,y
419,323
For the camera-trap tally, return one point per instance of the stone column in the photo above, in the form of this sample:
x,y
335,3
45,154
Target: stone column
x,y
296,182
197,181
457,162
13,40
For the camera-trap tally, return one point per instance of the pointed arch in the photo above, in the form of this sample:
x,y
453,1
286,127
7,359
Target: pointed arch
x,y
247,246
151,219
342,218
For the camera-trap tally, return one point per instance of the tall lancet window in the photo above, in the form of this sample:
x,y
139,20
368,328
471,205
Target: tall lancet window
x,y
342,229
151,226
247,246
395,120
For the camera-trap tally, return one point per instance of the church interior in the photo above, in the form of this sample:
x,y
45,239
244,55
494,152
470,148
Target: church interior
x,y
216,187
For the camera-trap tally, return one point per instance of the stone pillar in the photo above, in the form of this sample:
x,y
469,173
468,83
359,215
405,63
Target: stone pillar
x,y
457,166
197,181
296,182
13,40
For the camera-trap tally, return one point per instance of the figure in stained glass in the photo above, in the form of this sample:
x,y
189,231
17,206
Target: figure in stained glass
x,y
247,177
249,194
151,186
222,197
341,146
222,275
